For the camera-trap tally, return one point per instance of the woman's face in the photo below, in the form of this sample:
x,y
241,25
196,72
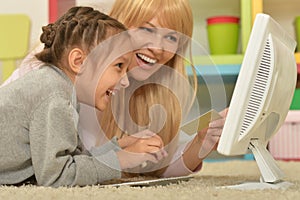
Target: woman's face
x,y
154,46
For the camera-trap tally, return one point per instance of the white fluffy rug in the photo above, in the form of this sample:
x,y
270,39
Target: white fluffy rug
x,y
203,185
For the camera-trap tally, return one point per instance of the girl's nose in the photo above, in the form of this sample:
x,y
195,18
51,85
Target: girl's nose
x,y
124,82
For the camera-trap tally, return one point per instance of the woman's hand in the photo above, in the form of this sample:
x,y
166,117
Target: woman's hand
x,y
210,136
140,147
204,142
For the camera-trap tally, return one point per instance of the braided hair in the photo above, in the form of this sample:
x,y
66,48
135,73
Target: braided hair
x,y
81,27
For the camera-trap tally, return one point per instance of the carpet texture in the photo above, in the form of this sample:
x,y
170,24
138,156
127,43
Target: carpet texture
x,y
202,186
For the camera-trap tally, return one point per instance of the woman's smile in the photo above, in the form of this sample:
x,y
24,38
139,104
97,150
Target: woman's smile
x,y
144,61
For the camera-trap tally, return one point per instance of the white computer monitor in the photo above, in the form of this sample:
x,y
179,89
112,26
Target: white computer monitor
x,y
262,96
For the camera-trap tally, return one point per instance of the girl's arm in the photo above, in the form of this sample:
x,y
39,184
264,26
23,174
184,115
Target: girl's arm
x,y
57,158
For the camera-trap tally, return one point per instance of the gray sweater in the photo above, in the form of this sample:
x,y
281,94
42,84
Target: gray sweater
x,y
39,136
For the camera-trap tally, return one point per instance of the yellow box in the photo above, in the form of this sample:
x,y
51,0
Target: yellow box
x,y
297,57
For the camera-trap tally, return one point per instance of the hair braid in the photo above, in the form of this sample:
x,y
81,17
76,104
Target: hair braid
x,y
81,27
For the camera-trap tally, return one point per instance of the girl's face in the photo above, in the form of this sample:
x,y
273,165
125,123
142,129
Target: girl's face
x,y
154,45
112,79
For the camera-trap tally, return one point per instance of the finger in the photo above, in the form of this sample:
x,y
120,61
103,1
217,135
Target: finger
x,y
150,157
164,153
143,134
224,112
219,123
148,133
128,140
153,141
160,154
154,135
152,149
214,132
157,137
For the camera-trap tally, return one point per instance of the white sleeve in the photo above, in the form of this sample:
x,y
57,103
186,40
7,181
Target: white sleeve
x,y
177,166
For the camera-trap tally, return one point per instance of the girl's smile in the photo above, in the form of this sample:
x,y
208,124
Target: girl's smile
x,y
110,92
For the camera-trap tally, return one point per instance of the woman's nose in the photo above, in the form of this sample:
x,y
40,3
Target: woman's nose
x,y
157,50
157,44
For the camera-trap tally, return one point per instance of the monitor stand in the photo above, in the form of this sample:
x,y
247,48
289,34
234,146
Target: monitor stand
x,y
271,173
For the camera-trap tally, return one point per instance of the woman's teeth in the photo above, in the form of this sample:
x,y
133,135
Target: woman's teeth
x,y
110,93
146,59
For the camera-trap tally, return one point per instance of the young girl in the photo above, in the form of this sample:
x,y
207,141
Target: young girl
x,y
39,111
171,20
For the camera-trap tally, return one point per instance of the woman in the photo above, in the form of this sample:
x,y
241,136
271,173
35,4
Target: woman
x,y
171,20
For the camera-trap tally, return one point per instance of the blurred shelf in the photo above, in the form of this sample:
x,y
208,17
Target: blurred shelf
x,y
225,66
228,59
297,57
213,73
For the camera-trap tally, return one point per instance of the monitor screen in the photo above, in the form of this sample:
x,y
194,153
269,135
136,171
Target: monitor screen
x,y
262,95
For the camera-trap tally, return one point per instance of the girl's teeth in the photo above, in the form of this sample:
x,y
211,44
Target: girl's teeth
x,y
110,92
147,59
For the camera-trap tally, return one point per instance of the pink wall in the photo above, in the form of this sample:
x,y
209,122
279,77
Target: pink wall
x,y
58,7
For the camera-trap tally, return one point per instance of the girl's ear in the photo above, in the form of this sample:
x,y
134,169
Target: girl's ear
x,y
76,58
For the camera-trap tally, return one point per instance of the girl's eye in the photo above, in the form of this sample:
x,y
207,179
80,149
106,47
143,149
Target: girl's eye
x,y
172,38
119,65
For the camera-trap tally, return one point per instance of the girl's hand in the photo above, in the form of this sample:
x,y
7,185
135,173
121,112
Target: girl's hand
x,y
128,140
140,147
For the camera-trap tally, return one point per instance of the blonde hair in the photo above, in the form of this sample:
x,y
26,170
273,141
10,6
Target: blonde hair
x,y
171,14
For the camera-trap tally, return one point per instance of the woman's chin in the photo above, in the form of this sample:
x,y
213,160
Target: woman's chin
x,y
140,76
141,73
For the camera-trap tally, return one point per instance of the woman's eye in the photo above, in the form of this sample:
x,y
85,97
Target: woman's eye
x,y
150,30
172,38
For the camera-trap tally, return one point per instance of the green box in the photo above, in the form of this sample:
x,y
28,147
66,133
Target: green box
x,y
295,105
297,26
223,34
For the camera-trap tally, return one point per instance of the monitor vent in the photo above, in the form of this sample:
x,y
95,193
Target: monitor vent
x,y
258,90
